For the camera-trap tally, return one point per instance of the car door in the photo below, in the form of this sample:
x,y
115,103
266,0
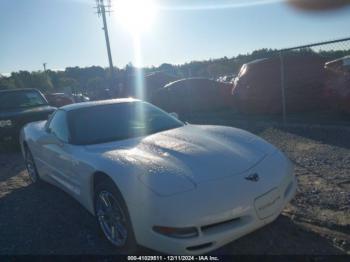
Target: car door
x,y
59,156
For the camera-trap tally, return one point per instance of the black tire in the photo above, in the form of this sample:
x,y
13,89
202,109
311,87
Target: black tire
x,y
31,167
130,245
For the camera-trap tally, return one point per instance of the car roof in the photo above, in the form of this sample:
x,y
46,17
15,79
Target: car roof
x,y
256,61
97,103
187,79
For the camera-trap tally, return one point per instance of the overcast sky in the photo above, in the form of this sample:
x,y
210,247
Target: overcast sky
x,y
68,33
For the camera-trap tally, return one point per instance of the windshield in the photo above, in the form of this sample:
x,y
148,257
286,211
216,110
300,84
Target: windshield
x,y
21,99
107,123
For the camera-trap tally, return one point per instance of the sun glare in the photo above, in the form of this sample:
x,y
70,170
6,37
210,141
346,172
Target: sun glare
x,y
136,16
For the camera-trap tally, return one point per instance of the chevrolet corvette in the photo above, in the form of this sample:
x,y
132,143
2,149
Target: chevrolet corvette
x,y
152,180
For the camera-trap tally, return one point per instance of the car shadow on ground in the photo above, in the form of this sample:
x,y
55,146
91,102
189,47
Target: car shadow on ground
x,y
41,219
282,237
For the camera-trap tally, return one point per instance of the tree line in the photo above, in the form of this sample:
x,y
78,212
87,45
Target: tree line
x,y
95,78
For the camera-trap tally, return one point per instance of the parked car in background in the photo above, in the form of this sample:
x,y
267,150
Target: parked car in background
x,y
227,79
155,81
152,82
338,84
152,180
59,99
258,89
79,98
193,95
19,107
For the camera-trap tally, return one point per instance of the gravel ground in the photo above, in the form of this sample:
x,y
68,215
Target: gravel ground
x,y
44,220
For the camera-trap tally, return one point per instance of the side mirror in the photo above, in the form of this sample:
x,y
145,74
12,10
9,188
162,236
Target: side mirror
x,y
173,114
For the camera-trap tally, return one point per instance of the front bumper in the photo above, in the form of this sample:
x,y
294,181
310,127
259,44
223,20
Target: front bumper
x,y
221,210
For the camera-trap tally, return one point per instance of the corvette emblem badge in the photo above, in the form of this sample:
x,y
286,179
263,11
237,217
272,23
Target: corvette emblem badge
x,y
253,177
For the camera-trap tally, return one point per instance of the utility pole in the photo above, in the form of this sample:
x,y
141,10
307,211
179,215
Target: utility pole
x,y
49,83
102,9
283,89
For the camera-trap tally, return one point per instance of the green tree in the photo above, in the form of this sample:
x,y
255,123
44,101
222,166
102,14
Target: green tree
x,y
95,87
66,83
7,83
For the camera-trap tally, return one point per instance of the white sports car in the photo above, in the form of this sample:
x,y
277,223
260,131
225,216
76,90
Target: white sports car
x,y
155,181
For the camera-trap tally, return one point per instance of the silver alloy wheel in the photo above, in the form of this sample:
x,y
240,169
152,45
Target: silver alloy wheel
x,y
31,167
111,218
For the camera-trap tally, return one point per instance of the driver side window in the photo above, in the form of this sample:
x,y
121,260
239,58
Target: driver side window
x,y
58,126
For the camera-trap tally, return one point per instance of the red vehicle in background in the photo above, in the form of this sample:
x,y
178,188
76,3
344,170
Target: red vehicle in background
x,y
257,88
338,84
59,99
193,95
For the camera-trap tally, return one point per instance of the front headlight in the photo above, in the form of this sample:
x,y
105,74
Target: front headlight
x,y
4,123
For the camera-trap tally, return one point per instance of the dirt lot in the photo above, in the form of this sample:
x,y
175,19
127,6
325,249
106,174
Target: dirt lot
x,y
44,220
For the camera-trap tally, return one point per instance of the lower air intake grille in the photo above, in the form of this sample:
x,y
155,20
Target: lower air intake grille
x,y
222,224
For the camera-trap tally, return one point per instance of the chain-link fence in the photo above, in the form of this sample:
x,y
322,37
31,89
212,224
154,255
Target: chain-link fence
x,y
300,83
315,81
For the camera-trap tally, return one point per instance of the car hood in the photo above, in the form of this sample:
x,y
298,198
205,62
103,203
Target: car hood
x,y
25,112
197,153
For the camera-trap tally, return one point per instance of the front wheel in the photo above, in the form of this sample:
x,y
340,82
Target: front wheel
x,y
113,218
31,168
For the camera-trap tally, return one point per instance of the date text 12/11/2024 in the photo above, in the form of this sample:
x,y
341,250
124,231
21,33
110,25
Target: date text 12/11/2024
x,y
172,258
